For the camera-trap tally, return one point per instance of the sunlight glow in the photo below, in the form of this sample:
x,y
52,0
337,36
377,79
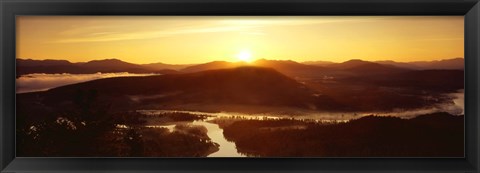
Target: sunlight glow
x,y
245,56
203,39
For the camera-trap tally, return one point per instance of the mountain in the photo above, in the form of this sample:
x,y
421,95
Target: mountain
x,y
280,65
318,63
112,65
287,67
446,64
243,86
292,68
354,67
456,63
213,66
108,63
284,65
365,67
47,62
28,66
163,66
349,64
399,64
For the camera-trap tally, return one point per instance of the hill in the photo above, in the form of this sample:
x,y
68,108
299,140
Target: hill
x,y
298,70
112,65
163,66
243,86
214,65
446,64
399,64
47,62
365,67
290,68
318,63
28,66
452,64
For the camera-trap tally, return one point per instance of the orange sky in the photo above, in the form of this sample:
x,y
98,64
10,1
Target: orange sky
x,y
187,40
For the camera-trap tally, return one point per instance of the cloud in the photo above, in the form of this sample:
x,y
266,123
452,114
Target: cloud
x,y
117,32
138,35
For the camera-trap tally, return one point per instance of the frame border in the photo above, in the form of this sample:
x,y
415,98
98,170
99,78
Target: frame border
x,y
11,8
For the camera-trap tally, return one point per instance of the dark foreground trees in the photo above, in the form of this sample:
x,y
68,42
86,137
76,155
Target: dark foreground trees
x,y
432,135
90,128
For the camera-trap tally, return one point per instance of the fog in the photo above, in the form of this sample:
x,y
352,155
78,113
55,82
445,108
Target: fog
x,y
459,99
455,107
43,82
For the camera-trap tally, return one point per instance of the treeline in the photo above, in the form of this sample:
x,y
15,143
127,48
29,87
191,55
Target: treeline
x,y
90,128
432,135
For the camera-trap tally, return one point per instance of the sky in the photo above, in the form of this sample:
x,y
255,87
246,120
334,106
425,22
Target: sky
x,y
191,40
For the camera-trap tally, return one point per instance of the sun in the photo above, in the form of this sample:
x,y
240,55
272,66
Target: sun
x,y
245,56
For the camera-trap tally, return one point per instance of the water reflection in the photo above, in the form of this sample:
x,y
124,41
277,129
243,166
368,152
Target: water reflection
x,y
214,132
459,100
214,121
200,134
226,148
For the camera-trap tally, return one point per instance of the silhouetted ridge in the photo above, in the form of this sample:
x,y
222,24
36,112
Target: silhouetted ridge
x,y
350,63
163,66
113,65
284,65
445,64
212,66
105,62
29,66
452,64
289,67
365,67
242,85
47,62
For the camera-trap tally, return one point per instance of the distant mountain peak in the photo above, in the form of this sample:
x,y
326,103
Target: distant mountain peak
x,y
109,62
351,63
266,60
448,59
318,63
355,61
45,62
106,60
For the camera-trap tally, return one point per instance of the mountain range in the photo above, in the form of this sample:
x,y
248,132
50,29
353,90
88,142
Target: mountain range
x,y
292,68
354,85
450,64
238,86
28,66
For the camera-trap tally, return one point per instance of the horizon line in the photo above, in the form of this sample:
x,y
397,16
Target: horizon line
x,y
236,61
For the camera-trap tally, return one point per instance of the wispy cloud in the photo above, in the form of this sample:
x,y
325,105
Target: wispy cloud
x,y
136,35
101,33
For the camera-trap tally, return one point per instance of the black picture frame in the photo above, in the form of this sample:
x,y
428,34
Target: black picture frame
x,y
9,9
